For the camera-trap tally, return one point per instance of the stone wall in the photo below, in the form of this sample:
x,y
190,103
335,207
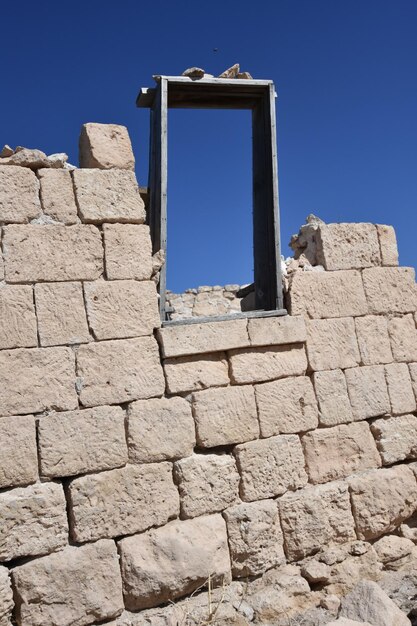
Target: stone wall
x,y
271,460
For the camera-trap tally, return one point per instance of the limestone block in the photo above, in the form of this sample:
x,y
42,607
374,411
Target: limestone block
x,y
19,195
170,562
201,338
122,501
225,416
49,375
390,289
61,314
56,253
400,388
192,373
332,395
119,371
270,331
121,308
160,429
6,598
57,195
396,438
18,455
75,586
382,499
34,520
314,517
255,537
105,146
327,294
373,339
403,335
387,244
267,363
332,344
17,313
348,246
413,373
368,392
286,406
207,483
76,442
269,467
333,453
128,251
391,549
108,196
368,603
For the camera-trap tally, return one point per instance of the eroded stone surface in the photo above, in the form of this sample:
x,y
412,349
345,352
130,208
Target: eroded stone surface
x,y
387,244
368,392
17,312
19,195
18,455
105,146
403,335
348,246
196,372
128,251
396,438
267,363
57,195
400,388
332,344
6,597
59,323
332,395
390,289
368,602
373,339
276,330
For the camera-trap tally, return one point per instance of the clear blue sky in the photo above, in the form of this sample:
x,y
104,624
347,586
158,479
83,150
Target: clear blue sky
x,y
346,77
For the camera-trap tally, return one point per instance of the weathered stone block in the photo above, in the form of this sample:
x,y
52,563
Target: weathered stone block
x,y
403,335
332,344
19,195
18,455
368,392
34,520
207,483
225,416
49,374
160,429
128,251
75,442
105,146
59,323
255,537
387,244
6,598
400,388
119,371
57,195
17,312
122,501
56,253
373,339
75,586
268,363
382,499
413,373
390,289
396,438
348,246
270,331
1,263
332,395
369,602
167,563
269,467
196,372
314,517
286,406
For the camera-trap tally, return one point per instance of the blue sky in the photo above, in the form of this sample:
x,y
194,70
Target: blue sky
x,y
346,78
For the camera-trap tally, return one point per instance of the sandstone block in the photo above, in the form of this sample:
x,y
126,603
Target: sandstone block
x,y
196,372
108,196
75,586
286,406
390,289
387,244
122,501
269,331
269,467
332,344
122,308
59,323
400,388
368,603
333,453
207,483
403,335
18,455
167,563
49,374
314,517
17,312
348,246
373,339
56,253
225,416
34,520
267,363
255,537
160,429
332,395
382,499
119,371
19,195
396,438
413,373
6,597
368,391
105,146
57,195
128,251
391,549
75,442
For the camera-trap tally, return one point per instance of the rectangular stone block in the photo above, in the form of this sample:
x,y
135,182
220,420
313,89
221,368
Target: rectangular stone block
x,y
315,517
269,467
225,416
160,429
18,455
332,395
56,253
400,389
276,331
57,195
17,313
118,309
76,442
122,501
105,146
348,246
387,244
373,339
333,453
368,391
403,336
192,373
19,195
34,520
390,289
396,438
74,586
6,597
128,251
36,379
268,363
59,323
170,562
332,344
119,371
207,483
